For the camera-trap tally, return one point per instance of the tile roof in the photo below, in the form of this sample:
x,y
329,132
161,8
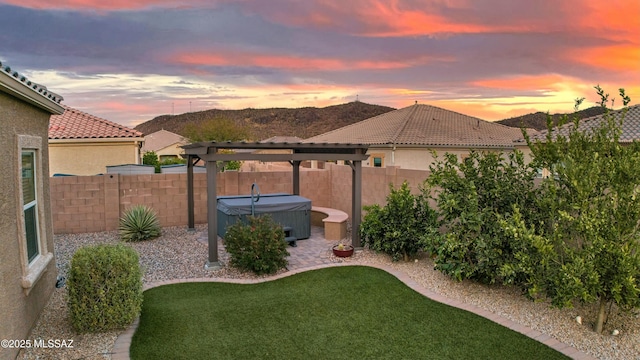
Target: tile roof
x,y
18,85
162,139
630,125
75,124
37,88
282,139
423,125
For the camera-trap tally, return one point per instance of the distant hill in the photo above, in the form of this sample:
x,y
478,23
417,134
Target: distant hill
x,y
538,120
265,123
310,121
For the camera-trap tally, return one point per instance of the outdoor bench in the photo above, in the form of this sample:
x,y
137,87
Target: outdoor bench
x,y
334,222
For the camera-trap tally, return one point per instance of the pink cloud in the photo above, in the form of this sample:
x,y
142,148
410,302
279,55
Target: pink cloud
x,y
294,63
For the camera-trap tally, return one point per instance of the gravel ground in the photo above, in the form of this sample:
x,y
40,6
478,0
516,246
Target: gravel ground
x,y
179,254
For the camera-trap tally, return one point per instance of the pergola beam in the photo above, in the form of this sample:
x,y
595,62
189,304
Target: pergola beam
x,y
281,157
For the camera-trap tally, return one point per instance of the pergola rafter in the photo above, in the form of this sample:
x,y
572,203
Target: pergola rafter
x,y
352,154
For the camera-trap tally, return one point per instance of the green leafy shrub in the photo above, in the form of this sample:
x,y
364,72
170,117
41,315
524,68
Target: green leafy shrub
x,y
397,228
472,196
104,288
589,244
139,223
258,246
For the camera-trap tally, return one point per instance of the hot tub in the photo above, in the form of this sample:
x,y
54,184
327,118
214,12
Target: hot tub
x,y
287,210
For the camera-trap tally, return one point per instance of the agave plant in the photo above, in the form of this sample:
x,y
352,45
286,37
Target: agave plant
x,y
139,223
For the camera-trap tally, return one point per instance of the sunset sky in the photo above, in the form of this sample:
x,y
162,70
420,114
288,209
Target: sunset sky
x,y
131,60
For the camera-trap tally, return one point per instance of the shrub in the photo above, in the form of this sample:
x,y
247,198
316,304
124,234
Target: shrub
x,y
139,223
589,242
472,196
397,228
104,288
258,246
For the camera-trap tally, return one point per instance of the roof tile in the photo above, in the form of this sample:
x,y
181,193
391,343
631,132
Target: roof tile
x,y
75,124
630,125
424,125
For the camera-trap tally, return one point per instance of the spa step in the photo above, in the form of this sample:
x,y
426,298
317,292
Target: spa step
x,y
291,240
288,235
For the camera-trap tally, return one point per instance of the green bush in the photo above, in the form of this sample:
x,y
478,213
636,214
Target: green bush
x,y
104,288
258,246
472,196
139,223
397,228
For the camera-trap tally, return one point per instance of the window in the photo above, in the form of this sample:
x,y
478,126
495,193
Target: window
x,y
29,201
32,233
376,160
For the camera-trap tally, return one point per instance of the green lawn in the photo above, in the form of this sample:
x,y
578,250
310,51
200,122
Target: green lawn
x,y
350,312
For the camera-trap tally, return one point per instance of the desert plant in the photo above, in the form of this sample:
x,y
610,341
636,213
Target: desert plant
x,y
257,246
104,288
139,223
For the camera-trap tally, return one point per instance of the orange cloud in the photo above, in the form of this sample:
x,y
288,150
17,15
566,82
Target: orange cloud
x,y
542,83
616,58
293,62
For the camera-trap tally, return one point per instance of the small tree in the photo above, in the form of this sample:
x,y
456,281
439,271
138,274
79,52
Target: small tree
x,y
588,249
151,158
216,129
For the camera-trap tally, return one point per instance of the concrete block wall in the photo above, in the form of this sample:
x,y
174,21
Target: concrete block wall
x,y
95,203
78,203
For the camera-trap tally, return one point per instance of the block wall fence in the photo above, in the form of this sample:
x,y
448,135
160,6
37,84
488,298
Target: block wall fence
x,y
95,203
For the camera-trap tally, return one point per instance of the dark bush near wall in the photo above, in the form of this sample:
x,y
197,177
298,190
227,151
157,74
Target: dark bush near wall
x,y
258,246
104,288
397,228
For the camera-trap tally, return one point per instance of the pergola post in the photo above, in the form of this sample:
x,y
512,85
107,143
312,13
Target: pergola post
x,y
356,203
212,215
190,202
296,177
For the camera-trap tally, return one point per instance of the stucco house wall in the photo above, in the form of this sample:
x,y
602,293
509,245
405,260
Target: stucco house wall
x,y
420,158
174,150
88,157
25,287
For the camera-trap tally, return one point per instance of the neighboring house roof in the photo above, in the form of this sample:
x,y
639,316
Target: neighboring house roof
x,y
20,86
423,125
162,139
75,124
282,139
630,125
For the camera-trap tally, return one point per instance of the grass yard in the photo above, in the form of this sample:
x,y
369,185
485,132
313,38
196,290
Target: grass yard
x,y
352,312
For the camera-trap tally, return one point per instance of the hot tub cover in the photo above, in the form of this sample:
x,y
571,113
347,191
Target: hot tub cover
x,y
267,204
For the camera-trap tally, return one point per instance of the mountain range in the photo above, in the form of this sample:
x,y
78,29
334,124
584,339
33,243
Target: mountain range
x,y
310,121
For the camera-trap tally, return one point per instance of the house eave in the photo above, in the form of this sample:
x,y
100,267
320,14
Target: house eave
x,y
96,140
14,87
446,146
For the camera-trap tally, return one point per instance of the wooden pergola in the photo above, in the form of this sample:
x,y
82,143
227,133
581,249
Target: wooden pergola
x,y
352,154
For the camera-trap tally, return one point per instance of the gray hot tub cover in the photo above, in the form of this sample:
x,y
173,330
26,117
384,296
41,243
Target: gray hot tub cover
x,y
267,204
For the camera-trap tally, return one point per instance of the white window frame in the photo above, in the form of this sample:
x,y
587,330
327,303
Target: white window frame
x,y
32,270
